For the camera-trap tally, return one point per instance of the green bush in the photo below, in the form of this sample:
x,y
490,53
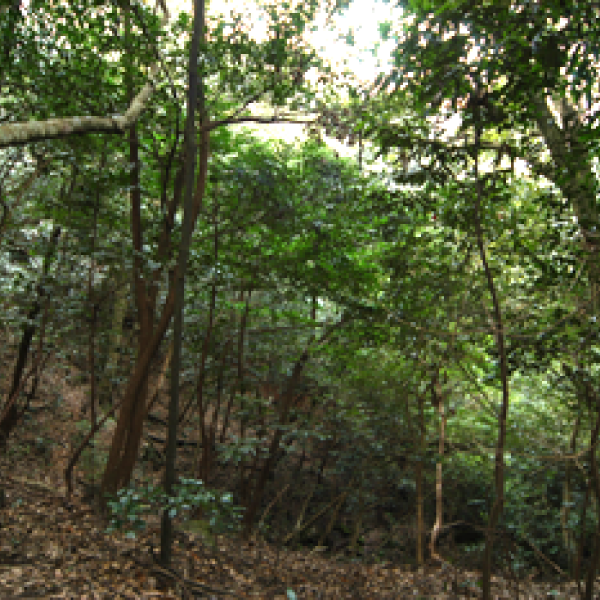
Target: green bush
x,y
128,508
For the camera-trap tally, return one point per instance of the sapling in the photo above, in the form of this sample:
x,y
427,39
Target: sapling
x,y
129,507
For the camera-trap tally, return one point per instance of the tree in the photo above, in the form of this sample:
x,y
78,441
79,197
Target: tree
x,y
238,85
195,97
514,73
21,40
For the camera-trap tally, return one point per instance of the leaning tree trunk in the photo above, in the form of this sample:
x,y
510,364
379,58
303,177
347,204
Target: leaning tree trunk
x,y
10,414
285,405
577,181
126,441
128,433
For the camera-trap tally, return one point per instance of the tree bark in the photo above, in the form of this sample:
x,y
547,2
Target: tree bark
x,y
498,505
15,134
195,93
438,401
10,415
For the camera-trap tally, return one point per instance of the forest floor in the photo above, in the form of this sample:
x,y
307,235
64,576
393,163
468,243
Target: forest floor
x,y
54,547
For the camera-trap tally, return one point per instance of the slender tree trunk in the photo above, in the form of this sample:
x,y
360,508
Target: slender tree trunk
x,y
126,441
194,93
204,465
284,407
419,484
93,308
113,365
115,476
256,496
127,436
594,401
582,538
565,511
438,401
498,504
9,416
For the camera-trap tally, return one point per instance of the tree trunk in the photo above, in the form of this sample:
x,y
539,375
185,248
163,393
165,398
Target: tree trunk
x,y
498,504
195,93
419,484
127,437
119,467
10,415
285,405
438,401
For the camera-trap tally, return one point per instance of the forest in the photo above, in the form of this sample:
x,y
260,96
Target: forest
x,y
357,361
